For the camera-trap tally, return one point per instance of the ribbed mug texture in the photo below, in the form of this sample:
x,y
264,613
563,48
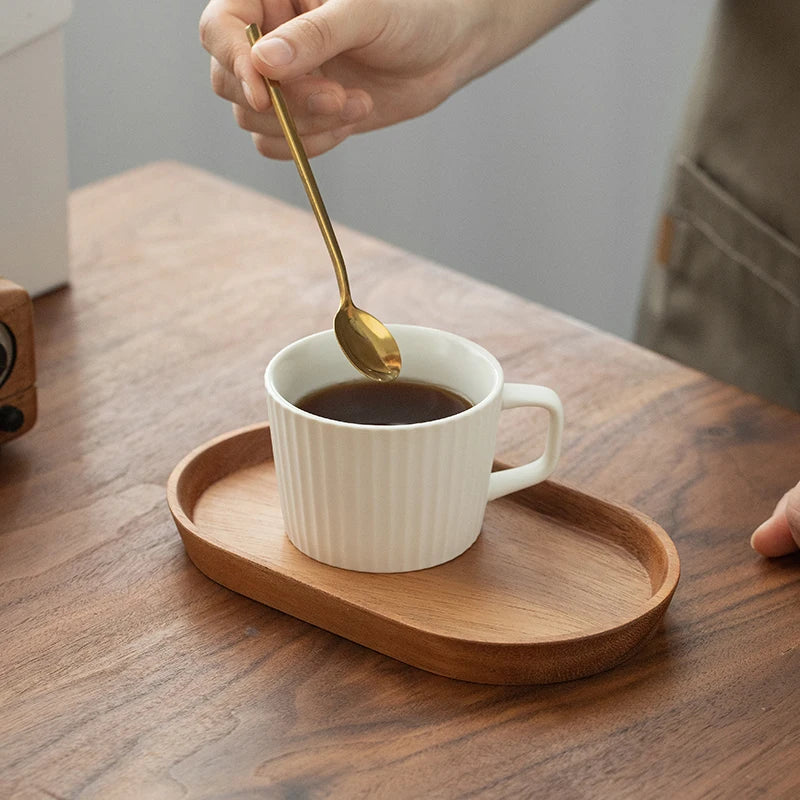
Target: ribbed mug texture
x,y
379,499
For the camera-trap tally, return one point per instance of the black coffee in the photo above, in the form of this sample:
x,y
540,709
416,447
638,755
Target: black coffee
x,y
371,403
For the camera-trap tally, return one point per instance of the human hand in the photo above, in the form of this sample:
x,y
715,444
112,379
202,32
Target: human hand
x,y
344,65
349,66
780,534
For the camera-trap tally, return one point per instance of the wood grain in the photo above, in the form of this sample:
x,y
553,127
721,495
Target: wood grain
x,y
127,673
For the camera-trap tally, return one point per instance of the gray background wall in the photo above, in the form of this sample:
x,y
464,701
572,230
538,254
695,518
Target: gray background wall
x,y
543,177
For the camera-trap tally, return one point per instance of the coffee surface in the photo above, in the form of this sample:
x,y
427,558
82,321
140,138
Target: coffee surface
x,y
400,402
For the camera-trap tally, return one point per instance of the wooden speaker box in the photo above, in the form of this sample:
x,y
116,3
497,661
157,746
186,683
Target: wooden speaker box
x,y
17,365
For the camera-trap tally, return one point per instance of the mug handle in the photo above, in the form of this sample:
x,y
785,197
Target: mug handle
x,y
516,395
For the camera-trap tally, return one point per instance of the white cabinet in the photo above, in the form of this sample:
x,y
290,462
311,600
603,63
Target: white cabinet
x,y
33,149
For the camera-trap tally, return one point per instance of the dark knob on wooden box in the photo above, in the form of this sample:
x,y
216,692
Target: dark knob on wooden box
x,y
11,419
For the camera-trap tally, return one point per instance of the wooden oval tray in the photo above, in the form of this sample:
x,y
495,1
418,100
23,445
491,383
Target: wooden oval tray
x,y
559,585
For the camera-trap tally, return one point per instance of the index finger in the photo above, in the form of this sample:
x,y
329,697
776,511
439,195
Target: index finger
x,y
780,534
222,26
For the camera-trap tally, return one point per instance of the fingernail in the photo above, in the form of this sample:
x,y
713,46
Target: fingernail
x,y
248,94
275,52
353,109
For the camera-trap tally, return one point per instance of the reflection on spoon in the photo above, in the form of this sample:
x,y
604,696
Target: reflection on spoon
x,y
365,341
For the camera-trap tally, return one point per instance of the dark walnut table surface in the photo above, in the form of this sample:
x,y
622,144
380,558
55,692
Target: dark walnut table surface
x,y
125,672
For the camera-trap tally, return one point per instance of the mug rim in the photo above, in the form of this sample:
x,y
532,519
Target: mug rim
x,y
476,408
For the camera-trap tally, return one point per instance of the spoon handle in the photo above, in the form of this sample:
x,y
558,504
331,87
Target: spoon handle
x,y
306,175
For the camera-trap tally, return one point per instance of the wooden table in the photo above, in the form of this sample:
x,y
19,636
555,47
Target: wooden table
x,y
125,672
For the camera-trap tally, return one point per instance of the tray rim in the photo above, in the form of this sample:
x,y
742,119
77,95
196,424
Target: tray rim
x,y
664,591
649,611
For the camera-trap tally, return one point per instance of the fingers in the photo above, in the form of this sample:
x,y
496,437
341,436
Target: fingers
x,y
314,110
307,41
314,144
308,95
222,25
780,534
317,104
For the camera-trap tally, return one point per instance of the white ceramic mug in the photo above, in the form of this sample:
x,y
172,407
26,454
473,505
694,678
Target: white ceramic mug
x,y
394,498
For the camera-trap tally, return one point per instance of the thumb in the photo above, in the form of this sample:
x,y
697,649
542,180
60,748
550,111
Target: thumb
x,y
780,534
307,41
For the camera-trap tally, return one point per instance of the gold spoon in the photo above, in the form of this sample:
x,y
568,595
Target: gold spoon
x,y
365,341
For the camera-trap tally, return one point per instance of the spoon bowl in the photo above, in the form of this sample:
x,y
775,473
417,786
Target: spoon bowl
x,y
367,343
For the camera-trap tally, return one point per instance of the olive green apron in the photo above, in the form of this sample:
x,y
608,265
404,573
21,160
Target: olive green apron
x,y
723,291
